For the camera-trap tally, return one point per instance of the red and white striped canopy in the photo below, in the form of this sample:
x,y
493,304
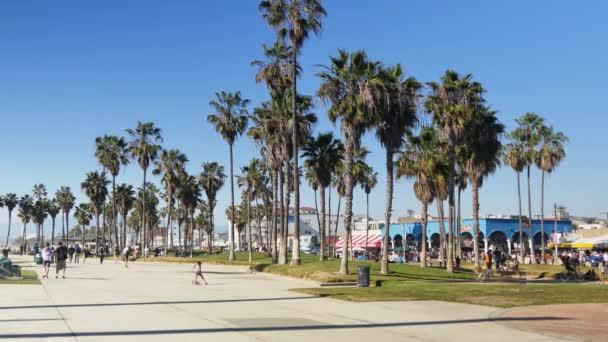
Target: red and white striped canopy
x,y
374,240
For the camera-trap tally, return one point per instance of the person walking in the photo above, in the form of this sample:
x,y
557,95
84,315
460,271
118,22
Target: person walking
x,y
62,257
488,261
77,254
85,254
102,254
602,271
47,258
116,254
71,251
127,253
198,272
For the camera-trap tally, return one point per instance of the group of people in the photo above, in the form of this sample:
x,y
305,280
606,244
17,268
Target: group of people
x,y
61,255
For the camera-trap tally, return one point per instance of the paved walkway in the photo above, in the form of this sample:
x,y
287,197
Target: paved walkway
x,y
158,302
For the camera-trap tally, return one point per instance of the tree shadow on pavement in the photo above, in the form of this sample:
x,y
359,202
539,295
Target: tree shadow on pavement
x,y
264,329
213,301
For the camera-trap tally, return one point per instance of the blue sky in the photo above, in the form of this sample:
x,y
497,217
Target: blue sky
x,y
74,70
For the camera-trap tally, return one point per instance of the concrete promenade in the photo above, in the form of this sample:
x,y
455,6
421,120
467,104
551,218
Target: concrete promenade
x,y
158,302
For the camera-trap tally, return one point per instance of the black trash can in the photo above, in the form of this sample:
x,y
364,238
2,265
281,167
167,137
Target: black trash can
x,y
363,275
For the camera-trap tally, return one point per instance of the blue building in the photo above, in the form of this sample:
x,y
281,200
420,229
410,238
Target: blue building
x,y
494,233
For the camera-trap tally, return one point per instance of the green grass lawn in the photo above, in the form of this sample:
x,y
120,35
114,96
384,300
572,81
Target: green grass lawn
x,y
497,295
327,271
29,277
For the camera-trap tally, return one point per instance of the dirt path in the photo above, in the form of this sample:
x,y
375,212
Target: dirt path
x,y
585,322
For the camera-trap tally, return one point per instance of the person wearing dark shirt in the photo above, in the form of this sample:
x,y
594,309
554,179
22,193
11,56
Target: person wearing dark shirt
x,y
62,257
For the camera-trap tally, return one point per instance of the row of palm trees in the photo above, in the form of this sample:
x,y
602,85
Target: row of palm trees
x,y
534,143
462,144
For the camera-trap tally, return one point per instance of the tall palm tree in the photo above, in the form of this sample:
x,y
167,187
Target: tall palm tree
x,y
188,194
111,152
125,199
248,181
26,205
39,192
294,20
397,116
348,84
170,165
323,154
83,216
528,135
10,201
95,186
266,132
230,121
53,209
212,179
39,214
303,125
66,200
451,103
144,148
421,160
514,157
482,146
549,156
276,70
369,182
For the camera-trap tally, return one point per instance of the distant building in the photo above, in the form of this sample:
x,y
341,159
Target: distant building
x,y
501,234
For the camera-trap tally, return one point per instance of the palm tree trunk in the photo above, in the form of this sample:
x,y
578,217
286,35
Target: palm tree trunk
x,y
458,225
349,136
337,222
322,224
249,242
522,248
53,232
24,238
452,209
475,191
317,209
530,218
283,244
231,234
169,226
389,209
425,210
211,226
124,230
143,211
114,216
441,230
103,224
259,220
295,254
366,220
97,232
83,238
191,230
542,219
63,216
330,244
8,233
286,198
66,233
274,216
